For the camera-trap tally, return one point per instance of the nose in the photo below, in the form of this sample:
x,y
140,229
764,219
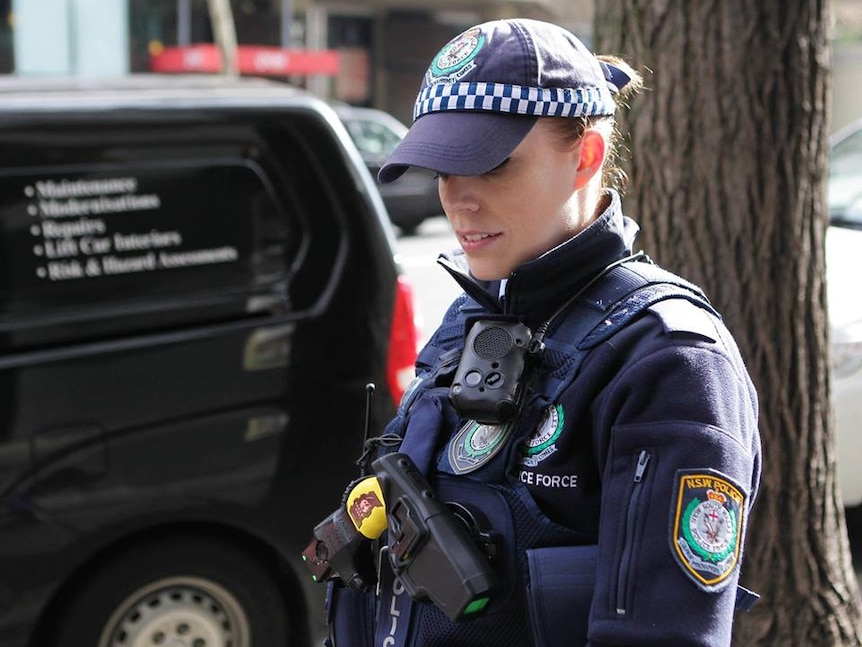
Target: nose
x,y
458,194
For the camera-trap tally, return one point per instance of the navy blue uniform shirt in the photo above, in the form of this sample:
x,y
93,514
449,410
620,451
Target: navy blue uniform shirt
x,y
652,448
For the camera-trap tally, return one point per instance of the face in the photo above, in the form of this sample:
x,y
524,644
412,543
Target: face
x,y
520,210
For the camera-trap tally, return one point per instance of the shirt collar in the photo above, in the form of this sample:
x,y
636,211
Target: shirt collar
x,y
535,289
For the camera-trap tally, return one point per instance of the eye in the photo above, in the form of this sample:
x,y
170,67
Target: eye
x,y
499,166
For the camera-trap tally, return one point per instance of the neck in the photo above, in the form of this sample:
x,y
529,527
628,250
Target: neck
x,y
590,202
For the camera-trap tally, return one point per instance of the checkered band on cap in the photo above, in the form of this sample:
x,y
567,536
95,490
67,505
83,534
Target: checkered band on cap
x,y
514,99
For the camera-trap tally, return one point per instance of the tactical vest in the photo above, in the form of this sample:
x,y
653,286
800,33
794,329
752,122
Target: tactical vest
x,y
547,570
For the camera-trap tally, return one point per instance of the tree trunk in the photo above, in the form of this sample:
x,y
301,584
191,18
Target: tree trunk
x,y
728,158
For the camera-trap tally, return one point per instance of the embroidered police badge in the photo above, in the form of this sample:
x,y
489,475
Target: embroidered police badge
x,y
455,60
475,445
706,526
543,442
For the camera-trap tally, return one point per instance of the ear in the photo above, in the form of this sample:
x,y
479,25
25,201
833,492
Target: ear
x,y
592,156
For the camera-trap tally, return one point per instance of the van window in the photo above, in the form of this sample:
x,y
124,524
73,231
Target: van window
x,y
83,242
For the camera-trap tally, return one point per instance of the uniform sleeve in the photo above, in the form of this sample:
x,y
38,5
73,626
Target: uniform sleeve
x,y
678,453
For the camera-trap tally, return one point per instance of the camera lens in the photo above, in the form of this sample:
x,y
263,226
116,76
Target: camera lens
x,y
473,378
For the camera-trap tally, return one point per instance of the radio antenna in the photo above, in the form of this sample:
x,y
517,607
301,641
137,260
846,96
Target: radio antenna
x,y
369,396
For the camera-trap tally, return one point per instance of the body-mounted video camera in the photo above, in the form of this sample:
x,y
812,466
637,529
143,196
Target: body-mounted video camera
x,y
489,383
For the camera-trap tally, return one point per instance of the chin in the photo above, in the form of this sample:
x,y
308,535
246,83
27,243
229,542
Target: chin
x,y
488,274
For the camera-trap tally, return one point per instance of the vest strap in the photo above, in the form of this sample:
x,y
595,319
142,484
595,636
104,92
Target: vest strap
x,y
394,607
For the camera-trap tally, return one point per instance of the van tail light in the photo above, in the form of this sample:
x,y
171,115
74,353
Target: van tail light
x,y
403,340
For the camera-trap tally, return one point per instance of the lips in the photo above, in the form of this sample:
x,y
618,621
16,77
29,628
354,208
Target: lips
x,y
474,241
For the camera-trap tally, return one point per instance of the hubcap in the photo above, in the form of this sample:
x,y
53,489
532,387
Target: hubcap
x,y
178,612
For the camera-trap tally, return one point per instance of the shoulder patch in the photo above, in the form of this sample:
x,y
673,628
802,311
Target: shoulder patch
x,y
680,315
706,526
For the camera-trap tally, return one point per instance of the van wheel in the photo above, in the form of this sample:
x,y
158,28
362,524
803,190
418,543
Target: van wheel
x,y
195,593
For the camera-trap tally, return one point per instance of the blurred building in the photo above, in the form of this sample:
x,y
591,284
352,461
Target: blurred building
x,y
405,35
382,46
364,52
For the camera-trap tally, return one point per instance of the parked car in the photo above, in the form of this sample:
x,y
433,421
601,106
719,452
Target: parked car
x,y
843,249
196,285
412,198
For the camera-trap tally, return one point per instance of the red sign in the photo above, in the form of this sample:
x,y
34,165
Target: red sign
x,y
251,59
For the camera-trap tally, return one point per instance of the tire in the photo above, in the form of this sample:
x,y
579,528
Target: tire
x,y
196,592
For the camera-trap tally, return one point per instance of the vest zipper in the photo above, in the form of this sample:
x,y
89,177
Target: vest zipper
x,y
628,541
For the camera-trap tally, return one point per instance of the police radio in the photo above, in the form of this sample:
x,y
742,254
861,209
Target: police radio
x,y
488,386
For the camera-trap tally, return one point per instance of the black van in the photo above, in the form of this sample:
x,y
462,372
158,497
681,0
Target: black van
x,y
196,285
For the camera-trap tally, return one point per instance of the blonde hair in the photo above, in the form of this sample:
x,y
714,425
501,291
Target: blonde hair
x,y
570,130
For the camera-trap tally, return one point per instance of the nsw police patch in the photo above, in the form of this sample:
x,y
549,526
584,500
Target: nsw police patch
x,y
543,442
706,526
455,60
475,445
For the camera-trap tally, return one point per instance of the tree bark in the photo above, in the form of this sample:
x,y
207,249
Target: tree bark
x,y
728,159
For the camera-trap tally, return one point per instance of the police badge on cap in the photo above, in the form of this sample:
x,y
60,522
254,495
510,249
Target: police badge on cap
x,y
485,89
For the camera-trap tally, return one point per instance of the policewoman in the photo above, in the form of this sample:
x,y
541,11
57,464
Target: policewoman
x,y
618,474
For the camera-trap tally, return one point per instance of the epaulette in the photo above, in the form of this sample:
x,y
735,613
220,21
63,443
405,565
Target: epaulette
x,y
680,316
